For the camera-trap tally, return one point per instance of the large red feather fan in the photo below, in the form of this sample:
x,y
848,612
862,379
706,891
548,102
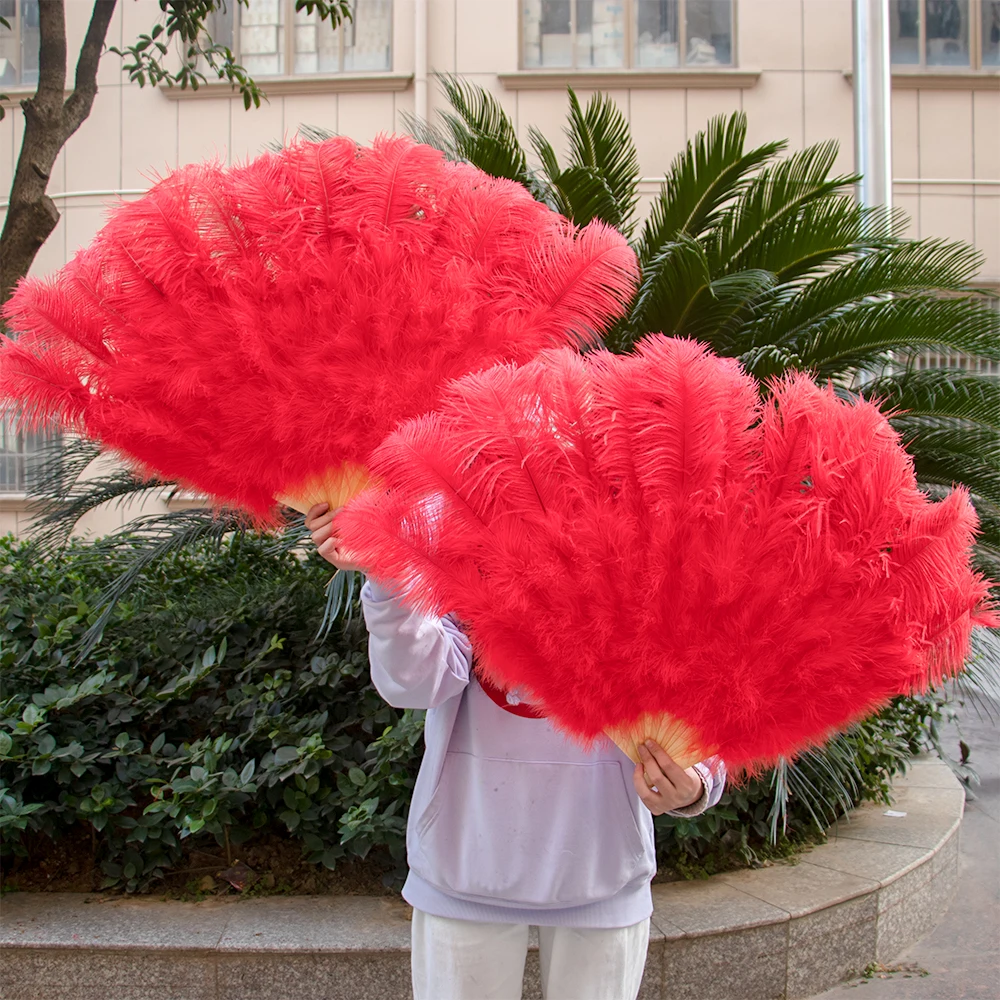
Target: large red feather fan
x,y
650,549
256,331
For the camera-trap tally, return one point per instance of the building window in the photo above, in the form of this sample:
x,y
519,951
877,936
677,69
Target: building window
x,y
957,34
20,455
619,34
261,43
19,43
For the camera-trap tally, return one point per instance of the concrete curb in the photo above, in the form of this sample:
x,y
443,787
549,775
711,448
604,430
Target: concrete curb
x,y
778,933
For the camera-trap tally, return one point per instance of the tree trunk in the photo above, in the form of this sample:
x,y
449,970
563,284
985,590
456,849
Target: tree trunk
x,y
49,121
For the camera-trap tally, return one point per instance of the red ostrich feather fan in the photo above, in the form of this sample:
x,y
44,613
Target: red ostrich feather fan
x,y
650,549
255,331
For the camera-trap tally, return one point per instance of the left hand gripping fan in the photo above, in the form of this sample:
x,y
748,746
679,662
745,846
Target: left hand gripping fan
x,y
254,332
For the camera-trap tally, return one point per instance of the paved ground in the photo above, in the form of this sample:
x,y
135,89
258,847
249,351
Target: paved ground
x,y
962,955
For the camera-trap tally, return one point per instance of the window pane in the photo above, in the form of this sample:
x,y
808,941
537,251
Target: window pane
x,y
9,56
547,27
317,44
656,33
904,31
991,32
600,33
709,26
947,32
19,455
220,26
30,38
19,43
368,38
262,38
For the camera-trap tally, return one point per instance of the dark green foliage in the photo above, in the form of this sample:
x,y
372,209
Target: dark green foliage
x,y
208,709
794,803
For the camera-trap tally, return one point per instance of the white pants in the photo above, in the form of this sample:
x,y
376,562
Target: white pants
x,y
466,960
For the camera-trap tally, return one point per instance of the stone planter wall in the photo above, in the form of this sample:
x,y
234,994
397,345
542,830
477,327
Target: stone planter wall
x,y
778,933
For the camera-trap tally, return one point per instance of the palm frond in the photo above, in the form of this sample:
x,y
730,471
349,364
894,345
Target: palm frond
x,y
905,269
671,283
718,312
940,392
314,133
61,495
601,141
979,682
61,462
477,130
947,451
826,780
771,200
708,173
579,192
820,234
150,538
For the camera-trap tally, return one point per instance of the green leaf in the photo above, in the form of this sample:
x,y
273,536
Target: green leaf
x,y
671,283
600,141
939,392
773,200
6,743
478,131
702,178
357,776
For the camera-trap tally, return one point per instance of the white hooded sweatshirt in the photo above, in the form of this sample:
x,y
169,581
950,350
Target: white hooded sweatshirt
x,y
511,822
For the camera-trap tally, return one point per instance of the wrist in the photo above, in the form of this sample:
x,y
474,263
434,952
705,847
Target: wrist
x,y
698,789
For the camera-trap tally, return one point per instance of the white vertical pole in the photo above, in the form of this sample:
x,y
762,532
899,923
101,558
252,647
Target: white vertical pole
x,y
420,60
872,102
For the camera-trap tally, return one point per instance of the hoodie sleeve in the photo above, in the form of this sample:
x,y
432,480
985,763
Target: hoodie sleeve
x,y
416,661
713,780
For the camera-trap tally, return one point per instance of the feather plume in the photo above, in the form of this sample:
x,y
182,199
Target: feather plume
x,y
255,331
649,548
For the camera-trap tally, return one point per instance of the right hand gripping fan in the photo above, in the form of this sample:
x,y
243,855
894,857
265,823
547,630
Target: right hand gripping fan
x,y
650,549
254,332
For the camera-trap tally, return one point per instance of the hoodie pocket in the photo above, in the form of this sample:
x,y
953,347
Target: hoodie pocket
x,y
528,833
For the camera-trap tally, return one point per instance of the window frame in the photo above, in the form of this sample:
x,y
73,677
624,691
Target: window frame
x,y
15,32
288,50
975,65
631,23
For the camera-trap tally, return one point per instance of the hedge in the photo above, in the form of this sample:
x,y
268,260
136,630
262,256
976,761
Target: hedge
x,y
211,709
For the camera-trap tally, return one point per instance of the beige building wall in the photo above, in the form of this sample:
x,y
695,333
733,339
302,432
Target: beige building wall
x,y
791,76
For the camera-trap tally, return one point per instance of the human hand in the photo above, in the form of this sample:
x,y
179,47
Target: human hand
x,y
661,783
320,524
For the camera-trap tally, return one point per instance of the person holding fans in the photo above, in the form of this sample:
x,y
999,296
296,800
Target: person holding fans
x,y
512,824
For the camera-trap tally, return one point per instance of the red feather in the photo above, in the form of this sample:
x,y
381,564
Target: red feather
x,y
245,330
644,536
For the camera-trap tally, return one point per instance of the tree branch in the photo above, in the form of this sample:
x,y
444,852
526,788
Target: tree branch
x,y
79,103
51,55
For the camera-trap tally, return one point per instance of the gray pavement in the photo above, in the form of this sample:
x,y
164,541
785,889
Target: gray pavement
x,y
961,956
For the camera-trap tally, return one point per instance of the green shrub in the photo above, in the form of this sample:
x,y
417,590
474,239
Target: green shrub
x,y
209,709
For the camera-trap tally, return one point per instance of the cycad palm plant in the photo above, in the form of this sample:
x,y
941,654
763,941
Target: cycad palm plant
x,y
770,259
765,257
